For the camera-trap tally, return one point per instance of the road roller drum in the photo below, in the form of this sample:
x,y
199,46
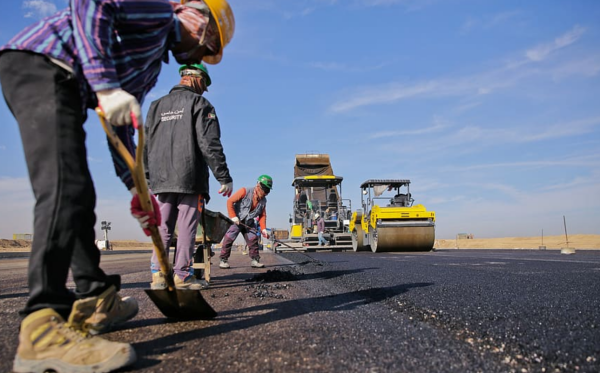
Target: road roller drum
x,y
409,238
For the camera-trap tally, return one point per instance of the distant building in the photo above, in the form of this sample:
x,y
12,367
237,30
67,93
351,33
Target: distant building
x,y
23,236
464,236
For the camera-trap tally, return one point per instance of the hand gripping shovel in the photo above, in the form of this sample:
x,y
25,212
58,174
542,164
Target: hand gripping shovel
x,y
173,303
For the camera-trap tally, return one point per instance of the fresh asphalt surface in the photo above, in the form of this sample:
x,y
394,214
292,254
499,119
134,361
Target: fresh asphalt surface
x,y
443,311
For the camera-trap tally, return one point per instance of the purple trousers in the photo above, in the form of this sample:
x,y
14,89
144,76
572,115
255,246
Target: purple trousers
x,y
180,209
250,237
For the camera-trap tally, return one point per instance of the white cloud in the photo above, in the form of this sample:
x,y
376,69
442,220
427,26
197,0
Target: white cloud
x,y
470,86
542,51
476,85
587,66
472,139
578,181
501,18
562,130
439,200
521,213
408,4
300,13
389,94
507,210
519,132
466,106
590,160
488,22
436,127
302,8
334,66
39,8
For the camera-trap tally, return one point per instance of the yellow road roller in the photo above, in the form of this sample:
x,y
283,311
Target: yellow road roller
x,y
388,221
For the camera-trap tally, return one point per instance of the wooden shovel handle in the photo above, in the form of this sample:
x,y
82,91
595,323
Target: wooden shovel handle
x,y
136,166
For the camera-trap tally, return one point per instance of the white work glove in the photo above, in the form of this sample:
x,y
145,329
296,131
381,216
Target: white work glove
x,y
265,234
236,220
118,106
226,189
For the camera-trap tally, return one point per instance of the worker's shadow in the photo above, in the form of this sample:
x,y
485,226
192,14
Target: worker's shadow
x,y
268,313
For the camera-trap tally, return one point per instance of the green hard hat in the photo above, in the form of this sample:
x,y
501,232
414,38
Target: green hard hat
x,y
266,180
197,66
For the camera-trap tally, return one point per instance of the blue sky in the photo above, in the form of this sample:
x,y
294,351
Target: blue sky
x,y
490,108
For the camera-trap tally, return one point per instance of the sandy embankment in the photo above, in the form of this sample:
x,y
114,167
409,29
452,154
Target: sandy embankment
x,y
577,241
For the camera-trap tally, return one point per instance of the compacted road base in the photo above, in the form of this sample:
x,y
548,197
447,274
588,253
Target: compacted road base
x,y
445,311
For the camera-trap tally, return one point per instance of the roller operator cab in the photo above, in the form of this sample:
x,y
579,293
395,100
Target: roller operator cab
x,y
388,220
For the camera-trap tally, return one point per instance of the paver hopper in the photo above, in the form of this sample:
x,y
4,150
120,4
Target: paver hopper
x,y
391,223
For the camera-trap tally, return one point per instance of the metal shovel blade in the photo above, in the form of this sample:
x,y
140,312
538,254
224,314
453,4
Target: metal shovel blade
x,y
182,304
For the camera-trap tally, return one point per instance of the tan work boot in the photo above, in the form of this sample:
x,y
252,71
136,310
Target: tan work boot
x,y
190,283
158,281
47,343
104,311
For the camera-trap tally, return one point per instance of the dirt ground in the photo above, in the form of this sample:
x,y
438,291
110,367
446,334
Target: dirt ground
x,y
577,241
25,245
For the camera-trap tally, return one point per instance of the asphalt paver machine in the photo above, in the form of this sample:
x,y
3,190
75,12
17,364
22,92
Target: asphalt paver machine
x,y
319,191
321,194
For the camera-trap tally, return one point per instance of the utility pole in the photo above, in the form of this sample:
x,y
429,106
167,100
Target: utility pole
x,y
566,250
542,247
566,235
105,226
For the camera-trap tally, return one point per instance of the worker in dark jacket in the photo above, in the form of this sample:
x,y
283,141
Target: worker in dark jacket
x,y
183,140
105,53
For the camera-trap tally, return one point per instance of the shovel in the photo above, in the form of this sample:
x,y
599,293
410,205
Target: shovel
x,y
255,231
173,303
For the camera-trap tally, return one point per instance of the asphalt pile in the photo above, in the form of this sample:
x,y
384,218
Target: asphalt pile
x,y
264,290
274,275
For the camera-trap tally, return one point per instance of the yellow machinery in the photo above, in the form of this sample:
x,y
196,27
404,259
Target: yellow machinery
x,y
318,191
391,223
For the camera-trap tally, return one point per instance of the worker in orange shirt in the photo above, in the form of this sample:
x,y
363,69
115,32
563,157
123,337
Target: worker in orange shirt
x,y
243,207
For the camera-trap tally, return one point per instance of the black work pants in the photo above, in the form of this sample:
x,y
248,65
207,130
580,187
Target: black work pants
x,y
46,103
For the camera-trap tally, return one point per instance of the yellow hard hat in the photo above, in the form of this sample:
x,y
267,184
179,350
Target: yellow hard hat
x,y
223,15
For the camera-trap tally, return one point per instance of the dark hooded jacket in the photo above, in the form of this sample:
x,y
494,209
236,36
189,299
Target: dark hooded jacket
x,y
183,139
